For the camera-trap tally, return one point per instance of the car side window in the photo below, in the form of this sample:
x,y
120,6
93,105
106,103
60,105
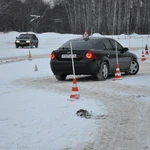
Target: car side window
x,y
107,44
33,36
119,47
99,45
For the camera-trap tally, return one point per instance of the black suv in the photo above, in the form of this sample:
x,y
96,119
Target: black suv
x,y
93,56
26,40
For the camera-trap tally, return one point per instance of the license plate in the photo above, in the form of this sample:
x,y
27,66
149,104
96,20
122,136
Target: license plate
x,y
68,56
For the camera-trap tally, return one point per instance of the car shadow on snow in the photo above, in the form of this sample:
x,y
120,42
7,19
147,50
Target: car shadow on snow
x,y
86,78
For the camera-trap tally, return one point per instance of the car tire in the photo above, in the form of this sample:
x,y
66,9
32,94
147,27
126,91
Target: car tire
x,y
22,46
36,45
134,67
103,72
60,77
31,46
17,46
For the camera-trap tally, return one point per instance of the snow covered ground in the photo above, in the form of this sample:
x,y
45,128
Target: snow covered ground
x,y
35,112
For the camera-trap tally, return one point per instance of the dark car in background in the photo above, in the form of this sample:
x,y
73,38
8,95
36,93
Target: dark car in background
x,y
93,56
29,40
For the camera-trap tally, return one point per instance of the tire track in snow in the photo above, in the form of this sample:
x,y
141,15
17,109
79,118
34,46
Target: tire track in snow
x,y
21,58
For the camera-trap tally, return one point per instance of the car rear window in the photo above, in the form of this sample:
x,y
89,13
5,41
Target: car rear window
x,y
79,44
99,45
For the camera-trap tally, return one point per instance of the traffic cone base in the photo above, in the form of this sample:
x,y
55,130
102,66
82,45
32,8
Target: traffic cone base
x,y
75,91
117,73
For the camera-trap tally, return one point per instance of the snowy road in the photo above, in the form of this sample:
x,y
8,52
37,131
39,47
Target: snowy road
x,y
29,109
126,123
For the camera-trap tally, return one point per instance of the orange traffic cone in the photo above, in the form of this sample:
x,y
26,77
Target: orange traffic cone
x,y
117,73
29,57
75,92
143,57
146,49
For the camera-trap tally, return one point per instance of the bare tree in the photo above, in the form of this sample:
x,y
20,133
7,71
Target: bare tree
x,y
103,16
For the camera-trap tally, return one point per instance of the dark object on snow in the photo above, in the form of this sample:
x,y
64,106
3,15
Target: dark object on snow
x,y
83,113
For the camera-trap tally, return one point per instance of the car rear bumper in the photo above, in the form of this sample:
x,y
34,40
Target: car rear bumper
x,y
81,67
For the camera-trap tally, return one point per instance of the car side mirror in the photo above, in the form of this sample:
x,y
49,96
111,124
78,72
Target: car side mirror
x,y
125,49
16,37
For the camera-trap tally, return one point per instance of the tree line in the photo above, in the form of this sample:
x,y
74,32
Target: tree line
x,y
65,16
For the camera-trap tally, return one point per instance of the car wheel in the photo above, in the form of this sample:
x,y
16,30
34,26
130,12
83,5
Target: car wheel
x,y
134,67
17,46
31,45
61,77
103,72
22,46
36,45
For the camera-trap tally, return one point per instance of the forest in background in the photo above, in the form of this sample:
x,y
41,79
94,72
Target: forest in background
x,y
107,17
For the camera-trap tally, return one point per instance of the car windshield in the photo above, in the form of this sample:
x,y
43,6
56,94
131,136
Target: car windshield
x,y
79,44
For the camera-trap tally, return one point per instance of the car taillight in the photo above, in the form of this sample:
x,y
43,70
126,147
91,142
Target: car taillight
x,y
52,56
90,55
